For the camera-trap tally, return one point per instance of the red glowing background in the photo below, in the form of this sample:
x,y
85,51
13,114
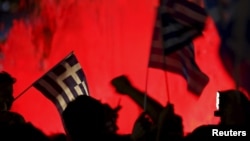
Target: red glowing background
x,y
109,38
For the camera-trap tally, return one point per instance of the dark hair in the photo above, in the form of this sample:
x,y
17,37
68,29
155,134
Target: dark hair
x,y
26,131
8,118
84,117
6,78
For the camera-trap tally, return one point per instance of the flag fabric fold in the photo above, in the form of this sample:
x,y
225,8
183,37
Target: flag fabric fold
x,y
181,21
172,48
63,83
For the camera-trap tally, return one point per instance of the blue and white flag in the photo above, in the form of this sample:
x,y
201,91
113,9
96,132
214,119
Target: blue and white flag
x,y
178,23
63,83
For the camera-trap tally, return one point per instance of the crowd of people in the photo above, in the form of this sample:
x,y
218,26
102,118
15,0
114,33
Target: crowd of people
x,y
87,118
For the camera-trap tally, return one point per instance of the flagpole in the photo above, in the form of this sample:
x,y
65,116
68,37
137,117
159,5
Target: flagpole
x,y
167,87
22,93
163,54
146,83
25,90
146,90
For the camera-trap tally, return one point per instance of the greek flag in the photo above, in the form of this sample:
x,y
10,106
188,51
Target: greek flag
x,y
178,23
63,83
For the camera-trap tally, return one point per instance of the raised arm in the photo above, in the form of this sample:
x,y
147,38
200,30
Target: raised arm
x,y
123,86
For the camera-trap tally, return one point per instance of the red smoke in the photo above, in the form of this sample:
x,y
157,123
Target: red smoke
x,y
110,38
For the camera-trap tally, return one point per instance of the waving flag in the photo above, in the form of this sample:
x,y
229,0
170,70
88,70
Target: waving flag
x,y
181,21
63,83
172,48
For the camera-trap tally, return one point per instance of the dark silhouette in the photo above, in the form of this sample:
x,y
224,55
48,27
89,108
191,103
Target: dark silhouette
x,y
123,86
232,22
234,113
144,129
234,108
6,90
86,118
13,127
165,123
8,118
58,137
169,125
25,132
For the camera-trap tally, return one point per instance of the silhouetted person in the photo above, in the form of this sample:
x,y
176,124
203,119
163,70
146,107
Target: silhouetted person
x,y
234,108
166,124
13,127
6,90
123,86
22,132
143,129
169,126
86,118
8,118
234,113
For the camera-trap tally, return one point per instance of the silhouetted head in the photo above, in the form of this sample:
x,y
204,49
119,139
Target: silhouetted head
x,y
26,132
8,118
6,90
86,117
234,108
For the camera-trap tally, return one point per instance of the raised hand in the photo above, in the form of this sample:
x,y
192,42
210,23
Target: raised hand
x,y
142,127
169,124
121,84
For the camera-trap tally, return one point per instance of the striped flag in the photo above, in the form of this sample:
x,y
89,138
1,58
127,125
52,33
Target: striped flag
x,y
172,48
181,21
63,83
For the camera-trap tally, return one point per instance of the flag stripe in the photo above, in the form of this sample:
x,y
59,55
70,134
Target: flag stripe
x,y
172,48
172,43
182,62
69,81
191,5
59,81
55,85
51,93
45,91
176,35
182,18
191,11
63,83
71,60
49,96
83,86
195,77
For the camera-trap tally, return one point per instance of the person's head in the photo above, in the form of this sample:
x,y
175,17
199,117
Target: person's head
x,y
9,118
26,131
234,108
6,90
86,117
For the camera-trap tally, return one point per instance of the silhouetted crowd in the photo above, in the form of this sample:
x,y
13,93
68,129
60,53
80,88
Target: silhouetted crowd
x,y
86,118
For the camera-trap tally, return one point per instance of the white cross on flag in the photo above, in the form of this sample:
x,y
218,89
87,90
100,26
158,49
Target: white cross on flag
x,y
63,83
